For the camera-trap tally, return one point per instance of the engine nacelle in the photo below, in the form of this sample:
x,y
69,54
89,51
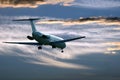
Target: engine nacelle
x,y
30,38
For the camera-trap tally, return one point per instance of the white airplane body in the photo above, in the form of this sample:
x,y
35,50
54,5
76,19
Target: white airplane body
x,y
44,39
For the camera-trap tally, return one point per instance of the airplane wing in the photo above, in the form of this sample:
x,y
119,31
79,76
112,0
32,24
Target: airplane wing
x,y
24,43
67,40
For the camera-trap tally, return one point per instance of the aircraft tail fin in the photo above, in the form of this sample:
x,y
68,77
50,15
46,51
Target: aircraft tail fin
x,y
31,22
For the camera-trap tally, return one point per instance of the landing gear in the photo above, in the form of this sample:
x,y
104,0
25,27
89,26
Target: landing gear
x,y
40,47
62,51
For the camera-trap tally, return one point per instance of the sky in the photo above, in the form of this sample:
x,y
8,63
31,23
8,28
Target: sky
x,y
95,57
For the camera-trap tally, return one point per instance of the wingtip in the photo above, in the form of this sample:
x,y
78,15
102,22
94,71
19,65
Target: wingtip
x,y
5,42
83,37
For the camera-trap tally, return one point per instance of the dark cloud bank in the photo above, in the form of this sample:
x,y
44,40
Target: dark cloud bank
x,y
87,20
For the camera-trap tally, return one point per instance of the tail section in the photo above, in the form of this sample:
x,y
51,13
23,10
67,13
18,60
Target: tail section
x,y
33,26
31,22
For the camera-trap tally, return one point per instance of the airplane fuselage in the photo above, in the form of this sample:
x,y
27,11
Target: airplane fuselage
x,y
44,39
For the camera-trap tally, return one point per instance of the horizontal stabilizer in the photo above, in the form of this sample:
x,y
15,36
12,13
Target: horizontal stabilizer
x,y
29,19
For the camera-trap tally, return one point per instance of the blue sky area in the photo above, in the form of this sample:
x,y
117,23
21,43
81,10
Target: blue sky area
x,y
58,11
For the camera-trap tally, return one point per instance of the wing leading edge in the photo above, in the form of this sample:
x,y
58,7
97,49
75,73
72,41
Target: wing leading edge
x,y
24,43
68,40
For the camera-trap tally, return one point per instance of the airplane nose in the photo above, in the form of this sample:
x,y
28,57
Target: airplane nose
x,y
63,45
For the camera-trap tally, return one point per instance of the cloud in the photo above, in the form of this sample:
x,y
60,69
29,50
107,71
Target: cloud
x,y
82,20
31,3
56,63
21,3
101,4
94,43
75,3
114,46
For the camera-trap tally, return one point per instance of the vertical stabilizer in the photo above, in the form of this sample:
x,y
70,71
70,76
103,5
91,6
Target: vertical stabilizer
x,y
32,26
31,22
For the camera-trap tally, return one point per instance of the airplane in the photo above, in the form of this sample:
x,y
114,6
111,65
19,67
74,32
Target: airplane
x,y
44,39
